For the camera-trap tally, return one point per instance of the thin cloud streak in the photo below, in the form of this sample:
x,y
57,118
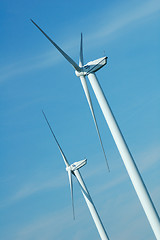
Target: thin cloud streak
x,y
149,158
48,59
126,18
63,217
33,187
41,227
23,67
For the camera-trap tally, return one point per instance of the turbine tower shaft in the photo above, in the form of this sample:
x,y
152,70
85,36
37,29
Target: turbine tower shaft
x,y
91,207
127,158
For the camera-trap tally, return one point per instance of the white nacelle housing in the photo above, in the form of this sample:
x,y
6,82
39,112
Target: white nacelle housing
x,y
92,66
76,165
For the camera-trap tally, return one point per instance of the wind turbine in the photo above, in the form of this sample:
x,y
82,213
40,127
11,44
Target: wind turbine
x,y
73,169
89,70
78,70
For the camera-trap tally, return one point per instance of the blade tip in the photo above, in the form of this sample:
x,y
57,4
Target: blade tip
x,y
43,114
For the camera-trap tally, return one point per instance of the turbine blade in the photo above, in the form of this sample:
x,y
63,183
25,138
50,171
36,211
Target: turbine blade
x,y
71,188
75,65
81,52
85,87
64,157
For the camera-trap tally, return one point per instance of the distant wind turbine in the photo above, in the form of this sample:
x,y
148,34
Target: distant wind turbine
x,y
89,70
73,169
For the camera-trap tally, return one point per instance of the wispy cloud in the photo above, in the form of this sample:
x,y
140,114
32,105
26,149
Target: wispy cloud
x,y
147,159
48,59
34,186
53,225
28,65
45,227
50,226
125,17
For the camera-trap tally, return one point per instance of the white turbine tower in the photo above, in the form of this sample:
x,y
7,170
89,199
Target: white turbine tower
x,y
89,70
73,169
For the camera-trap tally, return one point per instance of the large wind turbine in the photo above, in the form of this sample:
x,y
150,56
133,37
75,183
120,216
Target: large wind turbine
x,y
89,70
78,70
73,169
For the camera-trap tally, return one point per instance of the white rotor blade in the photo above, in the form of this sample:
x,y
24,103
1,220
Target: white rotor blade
x,y
75,65
85,87
71,188
81,53
66,163
64,157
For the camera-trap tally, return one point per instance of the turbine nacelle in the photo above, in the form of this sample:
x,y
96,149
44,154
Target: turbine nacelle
x,y
92,66
76,165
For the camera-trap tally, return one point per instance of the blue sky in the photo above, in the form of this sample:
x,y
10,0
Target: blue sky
x,y
35,199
